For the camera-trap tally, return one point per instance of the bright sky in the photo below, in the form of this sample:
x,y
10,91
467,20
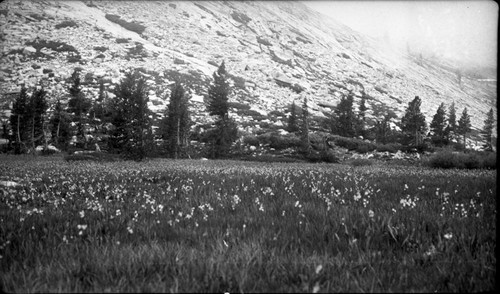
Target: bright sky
x,y
462,30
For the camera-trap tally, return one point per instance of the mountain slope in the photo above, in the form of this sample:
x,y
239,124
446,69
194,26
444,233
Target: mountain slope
x,y
276,51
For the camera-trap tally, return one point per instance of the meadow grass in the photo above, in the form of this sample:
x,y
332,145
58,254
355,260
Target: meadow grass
x,y
230,226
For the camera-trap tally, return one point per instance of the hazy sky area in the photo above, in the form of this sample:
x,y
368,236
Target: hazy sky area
x,y
460,30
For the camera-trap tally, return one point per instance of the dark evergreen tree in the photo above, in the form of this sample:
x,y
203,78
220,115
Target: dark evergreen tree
x,y
343,119
132,134
304,129
218,93
361,120
438,127
225,131
79,106
38,108
464,125
60,127
451,128
19,119
487,131
99,113
176,122
413,123
383,129
292,119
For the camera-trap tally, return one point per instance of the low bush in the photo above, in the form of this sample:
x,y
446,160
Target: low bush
x,y
101,48
52,45
489,160
92,156
66,24
238,105
329,156
131,26
121,40
283,142
251,140
361,162
473,160
392,147
443,160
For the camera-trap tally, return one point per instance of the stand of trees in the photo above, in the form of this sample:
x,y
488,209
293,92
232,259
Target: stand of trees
x,y
125,125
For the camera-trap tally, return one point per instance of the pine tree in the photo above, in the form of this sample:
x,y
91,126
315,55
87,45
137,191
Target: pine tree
x,y
383,129
132,135
413,122
292,119
19,121
344,120
452,123
98,112
438,126
487,131
464,125
361,120
225,131
176,122
78,105
38,108
218,93
60,130
304,130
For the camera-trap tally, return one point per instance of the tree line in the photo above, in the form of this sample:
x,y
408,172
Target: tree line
x,y
124,124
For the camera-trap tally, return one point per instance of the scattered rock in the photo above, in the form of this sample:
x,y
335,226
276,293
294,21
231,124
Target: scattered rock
x,y
29,50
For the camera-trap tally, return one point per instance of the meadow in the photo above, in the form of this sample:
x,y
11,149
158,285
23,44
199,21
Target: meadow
x,y
228,226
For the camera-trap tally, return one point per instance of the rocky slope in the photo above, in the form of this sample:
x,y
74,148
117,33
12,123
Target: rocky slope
x,y
277,52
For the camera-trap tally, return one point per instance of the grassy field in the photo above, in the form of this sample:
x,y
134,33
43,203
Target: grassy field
x,y
227,226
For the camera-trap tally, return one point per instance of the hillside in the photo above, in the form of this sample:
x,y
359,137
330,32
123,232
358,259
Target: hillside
x,y
277,52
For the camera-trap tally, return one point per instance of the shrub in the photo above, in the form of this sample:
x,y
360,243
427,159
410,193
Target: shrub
x,y
362,149
443,160
329,156
92,156
276,113
251,140
238,105
361,162
131,26
66,24
121,40
101,48
52,45
472,161
489,160
284,142
392,148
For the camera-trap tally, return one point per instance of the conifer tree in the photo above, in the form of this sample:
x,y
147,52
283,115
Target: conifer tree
x,y
78,105
225,131
383,129
413,122
60,130
344,120
360,126
176,122
487,131
438,126
304,130
292,119
132,135
38,108
451,128
464,125
19,121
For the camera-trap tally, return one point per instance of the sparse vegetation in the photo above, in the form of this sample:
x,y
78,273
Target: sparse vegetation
x,y
66,24
131,26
